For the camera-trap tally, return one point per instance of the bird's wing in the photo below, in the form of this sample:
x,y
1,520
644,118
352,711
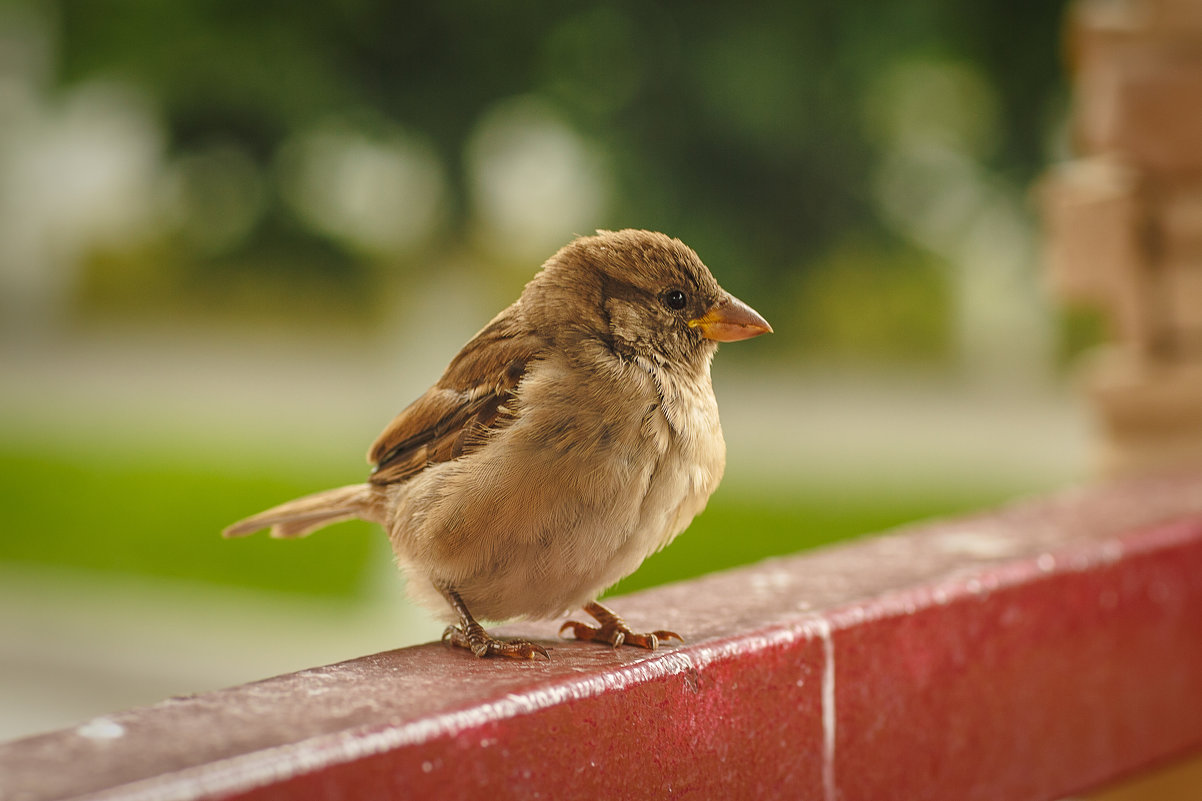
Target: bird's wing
x,y
456,414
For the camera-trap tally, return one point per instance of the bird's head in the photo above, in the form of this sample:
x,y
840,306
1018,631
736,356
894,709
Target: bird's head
x,y
640,292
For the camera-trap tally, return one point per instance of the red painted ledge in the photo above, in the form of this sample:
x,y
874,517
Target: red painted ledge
x,y
1030,653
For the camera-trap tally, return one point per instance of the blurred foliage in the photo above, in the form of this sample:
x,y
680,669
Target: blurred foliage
x,y
860,295
1082,329
751,133
756,134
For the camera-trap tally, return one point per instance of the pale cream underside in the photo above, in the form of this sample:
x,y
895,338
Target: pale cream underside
x,y
601,468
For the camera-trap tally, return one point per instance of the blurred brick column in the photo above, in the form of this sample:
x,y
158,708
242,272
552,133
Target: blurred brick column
x,y
1125,222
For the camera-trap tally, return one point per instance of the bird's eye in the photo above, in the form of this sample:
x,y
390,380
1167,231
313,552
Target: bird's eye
x,y
675,299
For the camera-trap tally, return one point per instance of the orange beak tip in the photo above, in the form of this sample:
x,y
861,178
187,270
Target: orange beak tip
x,y
731,320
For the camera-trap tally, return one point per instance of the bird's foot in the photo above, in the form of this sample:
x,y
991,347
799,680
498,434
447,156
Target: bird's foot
x,y
613,630
483,644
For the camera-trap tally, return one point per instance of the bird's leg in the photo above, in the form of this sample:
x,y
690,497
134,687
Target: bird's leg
x,y
471,635
613,630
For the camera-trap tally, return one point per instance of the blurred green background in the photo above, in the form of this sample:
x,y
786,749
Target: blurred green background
x,y
236,238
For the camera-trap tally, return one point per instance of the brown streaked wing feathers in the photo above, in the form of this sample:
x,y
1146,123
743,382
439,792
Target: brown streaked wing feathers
x,y
456,414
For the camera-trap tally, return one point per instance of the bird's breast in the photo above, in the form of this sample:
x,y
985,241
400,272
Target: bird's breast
x,y
693,452
625,454
598,469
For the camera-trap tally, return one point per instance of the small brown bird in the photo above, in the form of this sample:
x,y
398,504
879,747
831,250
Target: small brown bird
x,y
571,438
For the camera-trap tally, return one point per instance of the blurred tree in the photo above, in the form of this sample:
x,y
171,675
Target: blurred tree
x,y
743,130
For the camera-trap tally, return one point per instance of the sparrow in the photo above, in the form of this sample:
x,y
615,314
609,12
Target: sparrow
x,y
572,437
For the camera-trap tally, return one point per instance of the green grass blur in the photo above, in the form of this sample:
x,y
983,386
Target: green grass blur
x,y
736,529
159,513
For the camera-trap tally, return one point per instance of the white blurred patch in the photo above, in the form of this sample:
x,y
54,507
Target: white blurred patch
x,y
77,171
534,181
939,123
380,193
101,729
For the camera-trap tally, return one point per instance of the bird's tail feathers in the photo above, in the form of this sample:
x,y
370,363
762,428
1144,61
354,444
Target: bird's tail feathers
x,y
303,516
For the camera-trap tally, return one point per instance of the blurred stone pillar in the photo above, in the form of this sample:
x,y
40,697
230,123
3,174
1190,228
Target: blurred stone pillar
x,y
1124,223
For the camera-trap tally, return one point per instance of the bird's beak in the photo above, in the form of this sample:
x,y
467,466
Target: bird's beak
x,y
730,320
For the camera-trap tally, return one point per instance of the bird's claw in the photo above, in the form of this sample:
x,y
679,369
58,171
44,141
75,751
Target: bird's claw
x,y
614,631
483,644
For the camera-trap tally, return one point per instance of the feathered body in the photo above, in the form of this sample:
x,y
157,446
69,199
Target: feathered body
x,y
573,436
573,498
